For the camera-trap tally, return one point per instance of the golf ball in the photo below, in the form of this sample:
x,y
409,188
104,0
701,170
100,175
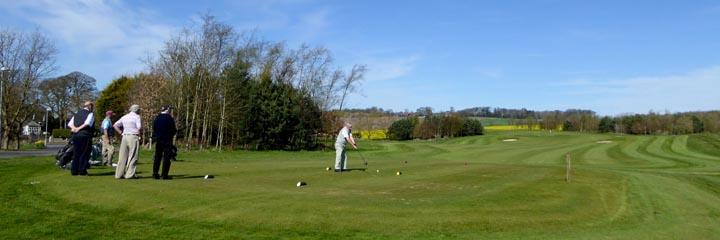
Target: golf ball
x,y
327,169
398,173
378,170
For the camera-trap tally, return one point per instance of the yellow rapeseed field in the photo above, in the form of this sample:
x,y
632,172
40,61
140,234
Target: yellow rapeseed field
x,y
373,134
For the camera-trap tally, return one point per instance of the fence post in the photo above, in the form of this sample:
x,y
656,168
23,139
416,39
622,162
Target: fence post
x,y
567,168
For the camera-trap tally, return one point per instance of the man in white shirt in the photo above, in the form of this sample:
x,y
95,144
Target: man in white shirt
x,y
130,145
344,137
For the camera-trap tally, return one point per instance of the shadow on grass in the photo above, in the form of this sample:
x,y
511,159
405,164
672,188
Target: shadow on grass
x,y
104,173
190,176
110,172
354,169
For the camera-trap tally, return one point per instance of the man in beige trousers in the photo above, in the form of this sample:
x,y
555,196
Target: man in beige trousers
x,y
344,137
108,134
130,145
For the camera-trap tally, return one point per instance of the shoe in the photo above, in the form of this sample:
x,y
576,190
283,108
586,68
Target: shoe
x,y
156,176
167,178
338,170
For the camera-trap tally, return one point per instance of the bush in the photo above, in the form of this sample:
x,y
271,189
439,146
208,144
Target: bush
x,y
472,127
40,144
401,130
61,133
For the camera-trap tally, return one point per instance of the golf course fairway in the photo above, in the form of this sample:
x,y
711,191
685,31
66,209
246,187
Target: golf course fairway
x,y
502,185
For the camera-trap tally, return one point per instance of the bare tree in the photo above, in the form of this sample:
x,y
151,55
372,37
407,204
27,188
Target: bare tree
x,y
193,62
150,92
29,57
65,94
357,73
55,95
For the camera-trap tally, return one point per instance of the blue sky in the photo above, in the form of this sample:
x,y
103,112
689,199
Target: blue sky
x,y
613,57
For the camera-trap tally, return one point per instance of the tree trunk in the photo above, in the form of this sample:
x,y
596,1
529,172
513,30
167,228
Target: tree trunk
x,y
221,127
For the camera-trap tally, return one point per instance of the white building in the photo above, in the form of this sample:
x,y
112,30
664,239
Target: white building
x,y
31,128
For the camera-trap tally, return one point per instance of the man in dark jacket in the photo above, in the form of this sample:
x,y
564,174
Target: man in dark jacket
x,y
81,125
164,127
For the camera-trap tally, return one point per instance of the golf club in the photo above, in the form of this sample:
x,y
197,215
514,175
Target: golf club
x,y
363,158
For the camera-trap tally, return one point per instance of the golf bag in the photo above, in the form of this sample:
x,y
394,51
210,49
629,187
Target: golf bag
x,y
173,152
64,156
96,154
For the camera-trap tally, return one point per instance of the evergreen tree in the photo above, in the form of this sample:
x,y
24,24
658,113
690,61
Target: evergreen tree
x,y
472,127
114,97
401,129
698,125
607,125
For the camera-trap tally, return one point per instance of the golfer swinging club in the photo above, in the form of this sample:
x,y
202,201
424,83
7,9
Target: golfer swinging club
x,y
343,138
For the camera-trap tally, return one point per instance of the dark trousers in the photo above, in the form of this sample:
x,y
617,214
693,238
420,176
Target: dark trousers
x,y
82,146
162,152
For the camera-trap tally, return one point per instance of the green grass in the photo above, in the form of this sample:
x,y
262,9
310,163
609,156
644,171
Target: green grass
x,y
628,187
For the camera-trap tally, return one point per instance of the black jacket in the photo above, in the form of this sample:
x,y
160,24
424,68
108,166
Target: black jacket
x,y
79,120
164,127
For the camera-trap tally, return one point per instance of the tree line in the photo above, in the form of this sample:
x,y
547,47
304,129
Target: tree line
x,y
570,120
436,126
235,89
588,121
663,124
639,124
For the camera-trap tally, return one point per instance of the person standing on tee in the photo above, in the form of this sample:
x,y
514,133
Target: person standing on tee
x,y
81,125
130,144
164,127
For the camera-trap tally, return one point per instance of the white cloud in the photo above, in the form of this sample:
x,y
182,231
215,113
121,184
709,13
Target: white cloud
x,y
92,31
315,21
390,68
694,90
95,25
279,15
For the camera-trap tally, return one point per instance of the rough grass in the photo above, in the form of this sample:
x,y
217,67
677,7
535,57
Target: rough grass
x,y
634,187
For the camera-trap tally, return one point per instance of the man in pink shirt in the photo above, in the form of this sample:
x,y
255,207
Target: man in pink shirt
x,y
131,131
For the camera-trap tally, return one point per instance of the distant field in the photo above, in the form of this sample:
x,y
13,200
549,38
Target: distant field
x,y
482,187
494,121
